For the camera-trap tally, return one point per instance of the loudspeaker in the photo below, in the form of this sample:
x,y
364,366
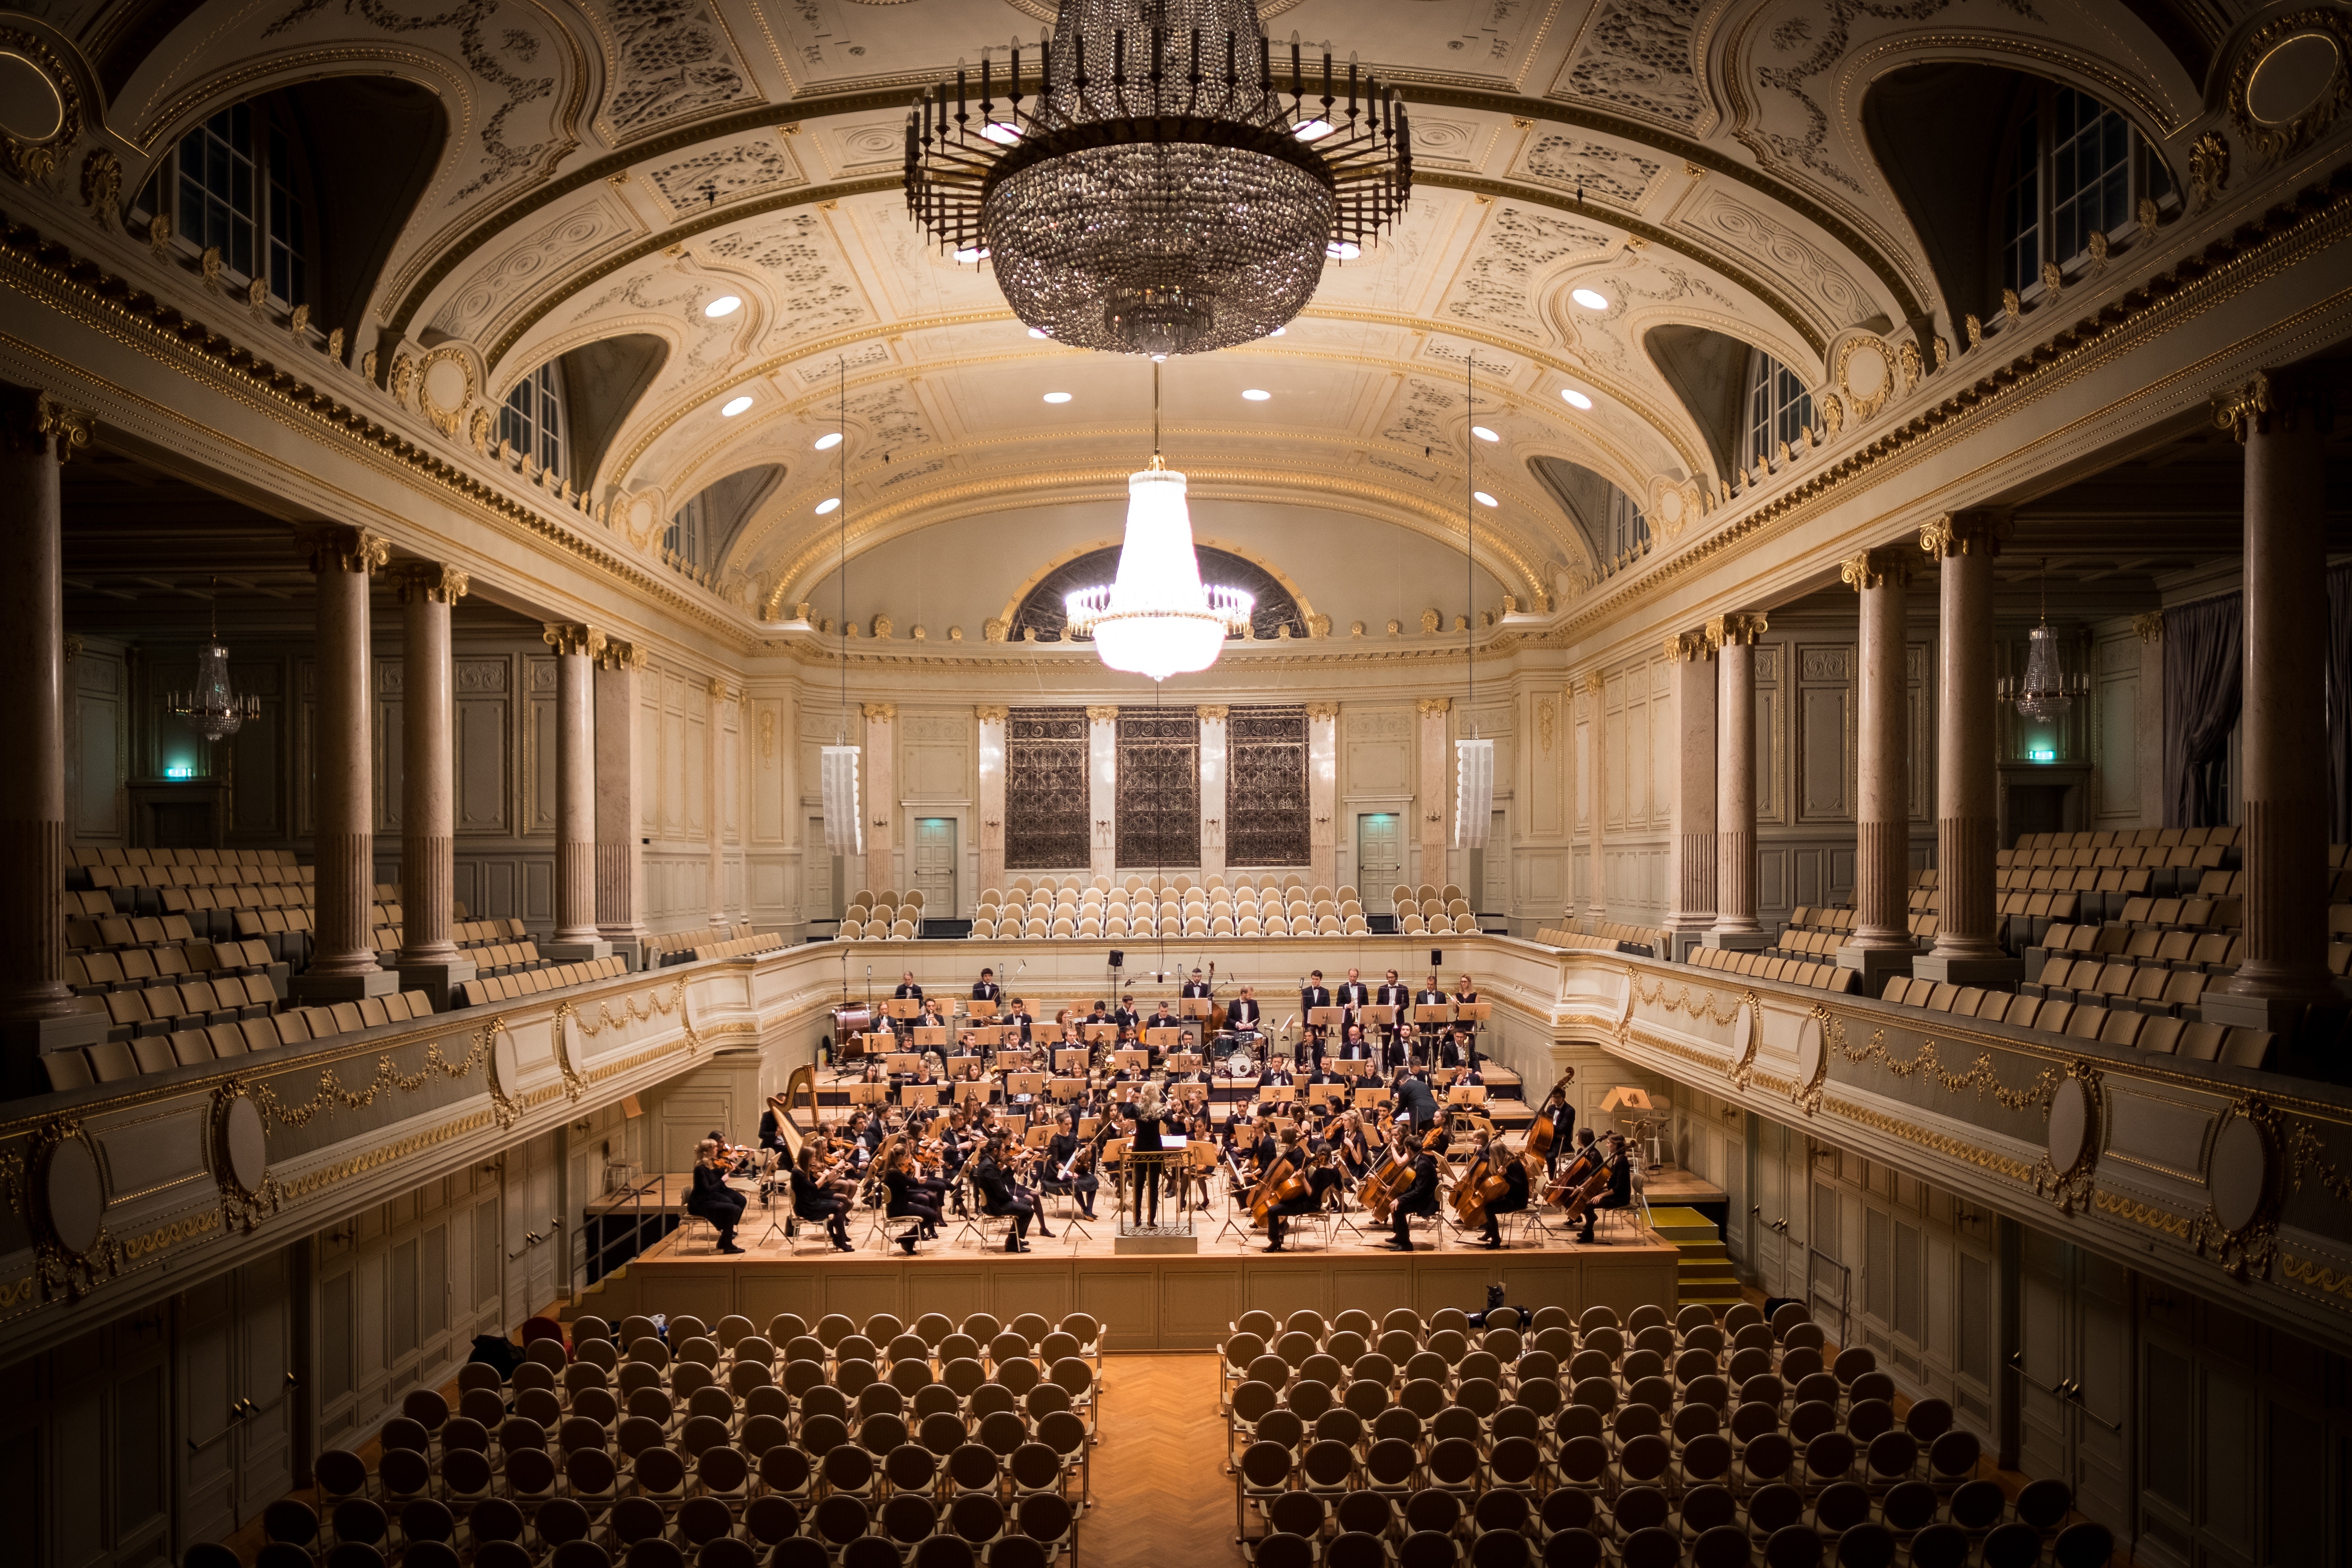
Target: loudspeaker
x,y
845,825
1474,793
1117,959
1436,958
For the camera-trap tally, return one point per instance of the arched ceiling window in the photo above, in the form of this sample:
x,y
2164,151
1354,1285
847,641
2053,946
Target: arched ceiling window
x,y
1612,525
1779,410
701,530
1041,608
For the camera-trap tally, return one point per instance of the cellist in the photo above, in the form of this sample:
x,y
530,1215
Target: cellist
x,y
1300,1192
1421,1196
1512,1199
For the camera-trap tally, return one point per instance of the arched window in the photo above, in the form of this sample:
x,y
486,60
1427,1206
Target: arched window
x,y
236,182
684,539
2074,168
1629,530
1777,408
532,421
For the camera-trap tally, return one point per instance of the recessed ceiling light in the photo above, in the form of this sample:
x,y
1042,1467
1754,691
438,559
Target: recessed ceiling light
x,y
1483,498
736,405
725,305
1343,250
1483,433
971,255
1256,395
1313,130
828,441
827,504
1590,299
1057,397
1574,398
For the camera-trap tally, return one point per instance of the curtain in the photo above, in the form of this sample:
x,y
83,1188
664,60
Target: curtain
x,y
2339,704
2204,663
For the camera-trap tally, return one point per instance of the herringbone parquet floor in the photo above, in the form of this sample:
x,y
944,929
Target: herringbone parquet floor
x,y
1160,1488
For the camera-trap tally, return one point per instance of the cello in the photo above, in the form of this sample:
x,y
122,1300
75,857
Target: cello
x,y
1283,1180
1585,1177
1481,1182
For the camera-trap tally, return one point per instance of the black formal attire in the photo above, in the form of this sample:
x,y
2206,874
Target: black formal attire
x,y
1147,1140
1317,1183
1060,1150
1389,1000
1421,1198
1016,1023
1241,1018
772,1135
811,1202
999,1198
1310,1039
1354,1051
908,1199
1413,1099
1620,1192
987,991
714,1200
1469,1031
1194,988
1354,995
902,1026
1429,1032
1125,1017
1514,1198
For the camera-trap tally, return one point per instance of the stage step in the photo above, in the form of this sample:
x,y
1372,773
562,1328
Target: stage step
x,y
1703,1267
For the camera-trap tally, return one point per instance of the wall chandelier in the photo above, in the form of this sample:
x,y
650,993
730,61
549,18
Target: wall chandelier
x,y
1157,618
212,707
1152,188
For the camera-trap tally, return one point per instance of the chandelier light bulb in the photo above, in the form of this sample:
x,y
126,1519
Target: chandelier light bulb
x,y
1157,619
1313,130
735,405
1036,333
828,441
1003,132
725,305
1343,250
1591,299
971,255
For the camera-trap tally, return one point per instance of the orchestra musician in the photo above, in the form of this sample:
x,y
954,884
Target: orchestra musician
x,y
1430,996
1353,994
907,990
986,989
909,1198
1016,1021
1125,1016
1564,1123
999,1198
1148,1112
712,1198
1310,1040
1242,1017
1062,1172
933,1017
771,1132
1421,1198
1465,991
1319,1181
1413,1102
1391,999
1196,986
812,1201
1353,1048
1619,1193
1101,1015
1354,1153
1515,1195
1162,1018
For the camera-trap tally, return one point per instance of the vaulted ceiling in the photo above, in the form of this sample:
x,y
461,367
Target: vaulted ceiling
x,y
611,167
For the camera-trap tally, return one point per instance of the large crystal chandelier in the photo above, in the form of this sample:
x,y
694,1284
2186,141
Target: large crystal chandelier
x,y
2044,691
212,707
1156,618
1159,184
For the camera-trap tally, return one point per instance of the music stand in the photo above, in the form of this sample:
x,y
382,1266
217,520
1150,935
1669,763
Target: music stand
x,y
1434,1012
878,1045
931,1036
1163,1039
1032,1084
988,1035
1045,1034
897,1063
869,1093
1067,1088
1100,1033
980,1009
1010,1061
1070,1059
903,1007
1140,1061
1327,1017
1192,1006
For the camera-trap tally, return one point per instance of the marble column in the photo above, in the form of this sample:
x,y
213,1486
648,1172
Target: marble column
x,y
342,959
2282,418
620,854
1322,796
1968,798
1212,788
38,1013
1594,689
429,961
1881,943
880,784
1690,792
576,648
1734,640
720,694
1435,799
993,718
1102,788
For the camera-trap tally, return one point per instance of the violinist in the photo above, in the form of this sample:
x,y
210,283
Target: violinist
x,y
812,1200
1513,1197
909,1198
1355,1156
1070,1165
999,1197
712,1198
1421,1198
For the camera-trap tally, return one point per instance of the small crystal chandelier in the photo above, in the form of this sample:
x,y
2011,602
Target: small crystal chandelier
x,y
1165,187
2045,691
1157,618
211,709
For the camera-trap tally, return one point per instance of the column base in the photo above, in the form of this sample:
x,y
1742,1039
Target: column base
x,y
1681,938
1740,940
437,980
632,948
2291,1018
2001,973
25,1041
576,952
1876,965
308,988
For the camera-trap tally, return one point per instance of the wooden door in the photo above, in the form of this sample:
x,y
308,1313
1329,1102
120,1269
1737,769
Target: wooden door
x,y
2076,1344
1493,894
1379,859
935,865
1767,1209
820,875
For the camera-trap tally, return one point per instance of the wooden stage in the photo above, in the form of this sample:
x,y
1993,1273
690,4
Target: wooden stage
x,y
1147,1302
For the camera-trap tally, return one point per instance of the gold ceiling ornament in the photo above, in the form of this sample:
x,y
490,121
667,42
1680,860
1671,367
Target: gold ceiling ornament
x,y
620,655
2291,79
446,384
340,547
31,421
992,713
880,711
2209,168
1688,647
1323,711
46,110
2274,399
1737,628
2149,627
101,184
1864,369
1102,712
1427,706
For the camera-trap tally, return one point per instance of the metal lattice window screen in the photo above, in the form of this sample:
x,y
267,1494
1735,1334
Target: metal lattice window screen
x,y
1266,787
1046,793
1158,787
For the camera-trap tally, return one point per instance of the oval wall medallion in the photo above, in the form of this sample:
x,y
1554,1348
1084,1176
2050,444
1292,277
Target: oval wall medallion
x,y
2240,1174
2073,1123
445,385
73,1195
1812,1062
244,1145
1743,1031
2291,77
505,1067
30,107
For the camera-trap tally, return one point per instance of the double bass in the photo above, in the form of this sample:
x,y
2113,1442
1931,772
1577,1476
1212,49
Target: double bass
x,y
1546,1131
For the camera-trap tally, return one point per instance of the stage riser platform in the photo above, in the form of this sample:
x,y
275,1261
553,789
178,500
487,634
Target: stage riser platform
x,y
1146,1303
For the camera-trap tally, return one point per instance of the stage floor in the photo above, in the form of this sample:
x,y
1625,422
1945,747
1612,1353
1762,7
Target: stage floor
x,y
1156,1301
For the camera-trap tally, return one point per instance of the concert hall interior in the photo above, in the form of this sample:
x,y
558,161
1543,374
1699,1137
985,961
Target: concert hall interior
x,y
1529,767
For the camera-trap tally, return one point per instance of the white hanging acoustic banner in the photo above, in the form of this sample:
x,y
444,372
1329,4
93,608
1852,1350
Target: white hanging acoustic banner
x,y
845,825
1474,793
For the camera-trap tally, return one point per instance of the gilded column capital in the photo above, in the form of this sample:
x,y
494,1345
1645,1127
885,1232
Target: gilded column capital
x,y
1688,647
2274,400
2150,627
992,713
1965,533
1881,568
1592,685
1102,712
885,712
571,637
429,581
1323,711
29,420
340,547
1742,629
619,655
1428,705
1213,710
725,690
